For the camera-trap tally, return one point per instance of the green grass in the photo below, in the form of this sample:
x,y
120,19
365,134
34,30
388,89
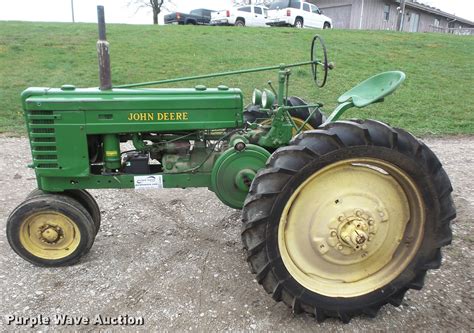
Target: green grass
x,y
437,97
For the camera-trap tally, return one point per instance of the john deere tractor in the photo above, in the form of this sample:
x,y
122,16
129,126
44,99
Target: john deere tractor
x,y
339,217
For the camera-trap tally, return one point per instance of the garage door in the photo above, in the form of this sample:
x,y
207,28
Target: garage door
x,y
340,15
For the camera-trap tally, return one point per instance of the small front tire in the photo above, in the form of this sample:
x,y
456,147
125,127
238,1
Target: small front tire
x,y
50,230
81,196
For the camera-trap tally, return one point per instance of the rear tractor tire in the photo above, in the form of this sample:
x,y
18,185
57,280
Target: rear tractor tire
x,y
347,218
51,230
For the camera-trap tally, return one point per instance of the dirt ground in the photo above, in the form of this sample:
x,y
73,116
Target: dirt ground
x,y
174,258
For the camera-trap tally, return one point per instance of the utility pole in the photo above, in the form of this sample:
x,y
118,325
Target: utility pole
x,y
72,11
402,10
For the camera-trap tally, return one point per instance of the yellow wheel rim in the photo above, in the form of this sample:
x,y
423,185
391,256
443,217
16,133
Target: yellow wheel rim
x,y
351,228
298,122
49,235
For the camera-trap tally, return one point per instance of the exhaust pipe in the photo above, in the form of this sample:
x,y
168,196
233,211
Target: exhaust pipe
x,y
103,52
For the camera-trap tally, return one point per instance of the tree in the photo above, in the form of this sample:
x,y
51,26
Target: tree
x,y
253,2
155,5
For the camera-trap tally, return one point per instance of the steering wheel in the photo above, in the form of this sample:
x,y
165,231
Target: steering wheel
x,y
319,58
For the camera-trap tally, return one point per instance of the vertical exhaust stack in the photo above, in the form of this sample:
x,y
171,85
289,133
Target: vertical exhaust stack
x,y
103,53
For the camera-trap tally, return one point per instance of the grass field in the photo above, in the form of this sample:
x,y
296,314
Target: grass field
x,y
437,97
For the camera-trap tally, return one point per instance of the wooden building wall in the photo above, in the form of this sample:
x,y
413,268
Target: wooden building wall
x,y
372,17
350,8
346,14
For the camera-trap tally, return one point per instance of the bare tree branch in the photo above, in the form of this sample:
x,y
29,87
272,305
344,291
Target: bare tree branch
x,y
252,2
155,5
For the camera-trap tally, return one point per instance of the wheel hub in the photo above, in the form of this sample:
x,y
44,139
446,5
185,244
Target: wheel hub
x,y
338,236
354,232
50,234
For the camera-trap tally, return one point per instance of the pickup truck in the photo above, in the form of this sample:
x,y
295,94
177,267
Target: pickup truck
x,y
196,16
297,13
253,16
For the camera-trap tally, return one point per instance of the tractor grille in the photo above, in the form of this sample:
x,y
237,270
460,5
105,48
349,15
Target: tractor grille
x,y
43,139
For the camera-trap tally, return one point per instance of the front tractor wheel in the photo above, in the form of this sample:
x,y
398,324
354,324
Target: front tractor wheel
x,y
347,219
81,196
51,230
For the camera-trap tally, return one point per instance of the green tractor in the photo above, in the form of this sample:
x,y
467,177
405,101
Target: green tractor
x,y
339,217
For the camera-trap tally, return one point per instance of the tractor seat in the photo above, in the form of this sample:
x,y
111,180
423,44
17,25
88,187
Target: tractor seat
x,y
373,89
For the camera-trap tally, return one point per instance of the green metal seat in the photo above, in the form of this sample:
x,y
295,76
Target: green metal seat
x,y
373,89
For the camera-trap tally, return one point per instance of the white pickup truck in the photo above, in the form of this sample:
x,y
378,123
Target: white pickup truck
x,y
252,16
297,13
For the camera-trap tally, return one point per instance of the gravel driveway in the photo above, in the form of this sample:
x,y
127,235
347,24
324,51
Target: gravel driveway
x,y
174,258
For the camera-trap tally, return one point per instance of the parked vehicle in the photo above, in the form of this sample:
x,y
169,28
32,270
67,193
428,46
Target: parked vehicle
x,y
252,16
196,16
297,14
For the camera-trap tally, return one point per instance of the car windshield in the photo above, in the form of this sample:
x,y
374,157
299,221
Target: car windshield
x,y
280,4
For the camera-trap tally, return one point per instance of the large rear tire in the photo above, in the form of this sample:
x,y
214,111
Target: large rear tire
x,y
347,218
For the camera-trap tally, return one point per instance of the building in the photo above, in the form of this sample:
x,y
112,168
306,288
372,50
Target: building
x,y
386,15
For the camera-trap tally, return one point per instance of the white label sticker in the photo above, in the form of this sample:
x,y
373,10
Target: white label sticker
x,y
148,182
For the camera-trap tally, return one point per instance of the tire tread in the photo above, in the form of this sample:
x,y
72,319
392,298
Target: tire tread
x,y
303,149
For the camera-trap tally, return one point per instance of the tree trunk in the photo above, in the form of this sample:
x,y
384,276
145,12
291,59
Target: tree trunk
x,y
155,16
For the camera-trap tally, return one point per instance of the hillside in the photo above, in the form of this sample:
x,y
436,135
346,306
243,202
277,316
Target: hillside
x,y
435,99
